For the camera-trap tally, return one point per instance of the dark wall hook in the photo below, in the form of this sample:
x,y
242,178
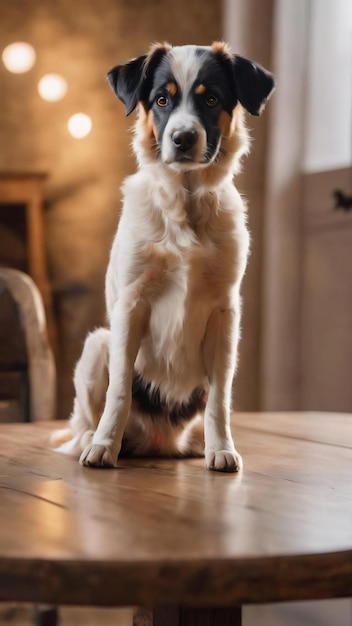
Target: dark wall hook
x,y
342,200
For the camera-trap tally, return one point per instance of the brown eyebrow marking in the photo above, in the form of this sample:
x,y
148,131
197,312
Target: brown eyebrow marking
x,y
171,88
200,88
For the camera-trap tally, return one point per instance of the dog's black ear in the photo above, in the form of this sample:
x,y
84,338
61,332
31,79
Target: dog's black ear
x,y
132,82
254,84
126,81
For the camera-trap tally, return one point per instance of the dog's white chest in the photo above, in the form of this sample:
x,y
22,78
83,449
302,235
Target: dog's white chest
x,y
188,287
183,256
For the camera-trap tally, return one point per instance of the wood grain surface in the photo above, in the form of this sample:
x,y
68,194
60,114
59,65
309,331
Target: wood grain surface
x,y
163,532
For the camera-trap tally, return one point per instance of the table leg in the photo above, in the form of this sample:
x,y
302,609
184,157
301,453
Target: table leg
x,y
142,617
188,617
45,615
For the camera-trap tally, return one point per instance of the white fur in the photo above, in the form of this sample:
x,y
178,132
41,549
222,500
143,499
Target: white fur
x,y
173,302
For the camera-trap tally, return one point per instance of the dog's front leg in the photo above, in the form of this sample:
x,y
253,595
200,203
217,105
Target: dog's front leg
x,y
128,321
220,354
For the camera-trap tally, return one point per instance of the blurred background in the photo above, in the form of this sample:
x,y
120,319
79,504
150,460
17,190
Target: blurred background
x,y
296,348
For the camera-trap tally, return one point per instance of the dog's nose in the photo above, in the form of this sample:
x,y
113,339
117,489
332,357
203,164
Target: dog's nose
x,y
184,140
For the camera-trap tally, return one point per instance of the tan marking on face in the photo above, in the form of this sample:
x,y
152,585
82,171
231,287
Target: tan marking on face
x,y
171,88
151,125
147,131
236,143
147,120
225,124
200,89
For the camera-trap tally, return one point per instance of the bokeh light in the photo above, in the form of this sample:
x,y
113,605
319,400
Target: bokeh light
x,y
79,125
52,87
19,57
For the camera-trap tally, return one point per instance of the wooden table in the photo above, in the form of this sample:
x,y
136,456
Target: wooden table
x,y
167,533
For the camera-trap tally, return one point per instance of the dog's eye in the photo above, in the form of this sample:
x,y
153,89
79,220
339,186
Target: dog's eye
x,y
162,101
211,100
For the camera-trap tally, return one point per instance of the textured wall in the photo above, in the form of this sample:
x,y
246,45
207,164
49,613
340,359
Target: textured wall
x,y
81,39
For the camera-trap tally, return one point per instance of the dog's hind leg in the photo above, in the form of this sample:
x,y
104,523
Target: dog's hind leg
x,y
128,322
91,382
91,377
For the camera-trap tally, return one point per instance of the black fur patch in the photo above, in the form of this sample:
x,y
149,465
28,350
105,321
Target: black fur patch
x,y
149,401
132,82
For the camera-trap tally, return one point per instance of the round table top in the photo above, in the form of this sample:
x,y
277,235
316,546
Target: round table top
x,y
165,531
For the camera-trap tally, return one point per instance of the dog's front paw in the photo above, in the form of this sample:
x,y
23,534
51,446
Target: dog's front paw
x,y
98,455
223,460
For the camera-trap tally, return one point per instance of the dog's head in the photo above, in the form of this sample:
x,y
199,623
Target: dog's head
x,y
188,97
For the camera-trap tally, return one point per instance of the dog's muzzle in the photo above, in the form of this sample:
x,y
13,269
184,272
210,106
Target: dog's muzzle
x,y
184,142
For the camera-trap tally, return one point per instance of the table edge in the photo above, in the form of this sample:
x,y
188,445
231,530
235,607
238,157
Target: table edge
x,y
190,583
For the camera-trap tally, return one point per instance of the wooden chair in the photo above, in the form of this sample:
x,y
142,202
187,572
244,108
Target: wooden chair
x,y
27,367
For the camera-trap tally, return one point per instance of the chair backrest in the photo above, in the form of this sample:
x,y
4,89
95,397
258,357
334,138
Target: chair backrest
x,y
27,367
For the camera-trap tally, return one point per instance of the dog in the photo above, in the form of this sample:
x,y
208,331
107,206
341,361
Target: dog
x,y
166,362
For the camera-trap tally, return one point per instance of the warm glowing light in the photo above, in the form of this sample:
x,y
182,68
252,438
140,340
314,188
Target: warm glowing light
x,y
19,57
52,87
79,125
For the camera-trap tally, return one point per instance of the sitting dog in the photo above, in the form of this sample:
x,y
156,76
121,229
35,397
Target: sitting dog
x,y
168,357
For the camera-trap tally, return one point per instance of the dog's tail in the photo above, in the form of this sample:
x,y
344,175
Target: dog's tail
x,y
60,437
73,439
66,442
